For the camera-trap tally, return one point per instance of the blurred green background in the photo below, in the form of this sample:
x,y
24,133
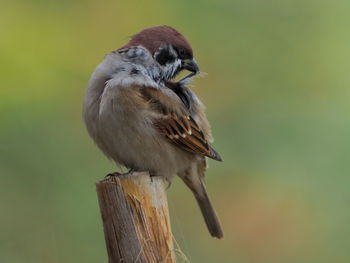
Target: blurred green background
x,y
277,95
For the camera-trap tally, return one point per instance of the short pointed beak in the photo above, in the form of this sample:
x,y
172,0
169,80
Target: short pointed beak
x,y
191,65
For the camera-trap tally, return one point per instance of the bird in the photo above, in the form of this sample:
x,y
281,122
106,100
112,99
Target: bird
x,y
144,120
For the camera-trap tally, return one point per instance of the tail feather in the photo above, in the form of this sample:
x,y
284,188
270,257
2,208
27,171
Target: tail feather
x,y
194,179
209,214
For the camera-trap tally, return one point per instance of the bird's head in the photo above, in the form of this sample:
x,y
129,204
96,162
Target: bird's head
x,y
169,48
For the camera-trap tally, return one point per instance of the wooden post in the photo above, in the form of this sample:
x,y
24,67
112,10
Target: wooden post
x,y
135,218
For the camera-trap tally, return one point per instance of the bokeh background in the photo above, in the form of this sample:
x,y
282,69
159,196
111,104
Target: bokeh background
x,y
277,95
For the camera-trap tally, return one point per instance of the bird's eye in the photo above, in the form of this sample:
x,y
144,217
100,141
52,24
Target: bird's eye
x,y
182,52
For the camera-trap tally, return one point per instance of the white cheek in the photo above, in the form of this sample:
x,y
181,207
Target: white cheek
x,y
170,68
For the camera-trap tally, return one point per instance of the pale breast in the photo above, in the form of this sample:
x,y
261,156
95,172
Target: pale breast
x,y
121,123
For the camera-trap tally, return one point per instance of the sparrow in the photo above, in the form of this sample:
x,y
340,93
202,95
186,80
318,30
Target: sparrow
x,y
141,119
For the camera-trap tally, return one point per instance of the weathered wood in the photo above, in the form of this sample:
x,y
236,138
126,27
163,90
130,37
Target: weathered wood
x,y
135,219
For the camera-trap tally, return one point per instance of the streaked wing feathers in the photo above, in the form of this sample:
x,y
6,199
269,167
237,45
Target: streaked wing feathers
x,y
176,123
185,133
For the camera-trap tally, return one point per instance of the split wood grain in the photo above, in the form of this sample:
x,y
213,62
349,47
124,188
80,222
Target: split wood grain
x,y
135,218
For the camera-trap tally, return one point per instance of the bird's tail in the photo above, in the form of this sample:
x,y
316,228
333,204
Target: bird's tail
x,y
208,212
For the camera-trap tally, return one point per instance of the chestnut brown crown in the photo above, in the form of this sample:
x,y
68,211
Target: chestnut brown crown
x,y
155,37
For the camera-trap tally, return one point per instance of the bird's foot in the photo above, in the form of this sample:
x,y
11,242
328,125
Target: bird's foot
x,y
132,170
151,175
113,174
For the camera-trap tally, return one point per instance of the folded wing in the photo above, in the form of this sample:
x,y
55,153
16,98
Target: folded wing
x,y
177,125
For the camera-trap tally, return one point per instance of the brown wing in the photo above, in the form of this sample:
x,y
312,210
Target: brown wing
x,y
185,133
176,124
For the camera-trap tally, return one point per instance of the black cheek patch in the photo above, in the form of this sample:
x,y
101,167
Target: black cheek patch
x,y
164,56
